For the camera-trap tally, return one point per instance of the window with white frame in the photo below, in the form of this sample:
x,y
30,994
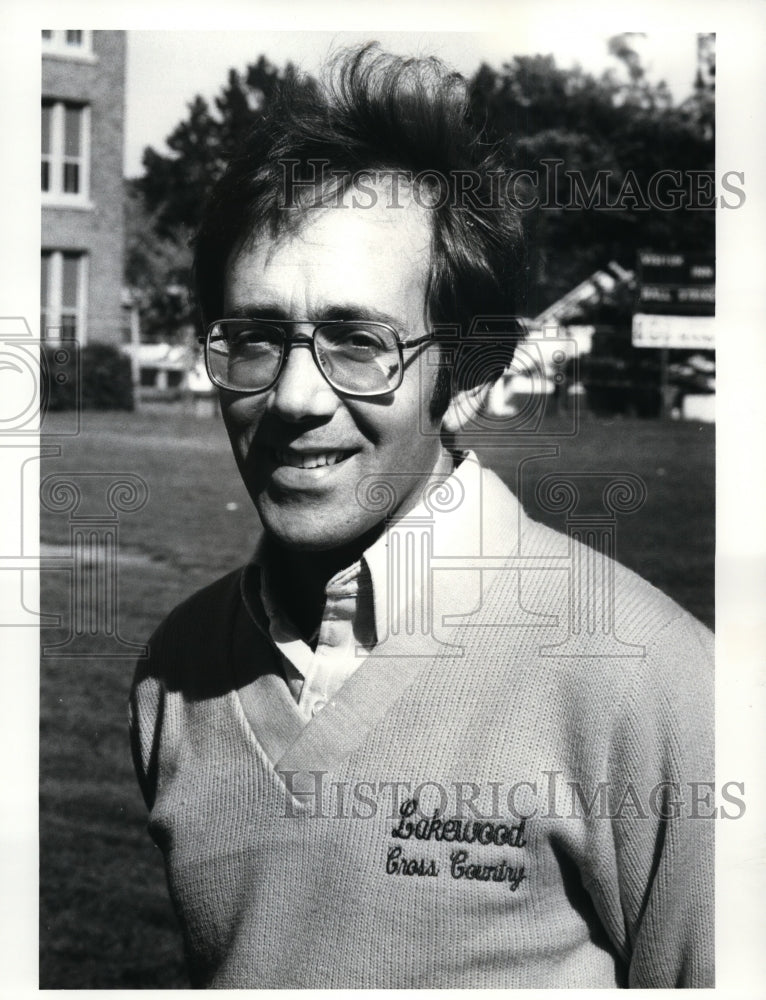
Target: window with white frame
x,y
64,163
75,44
63,286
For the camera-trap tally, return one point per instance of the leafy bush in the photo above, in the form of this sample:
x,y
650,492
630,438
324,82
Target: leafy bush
x,y
103,373
106,378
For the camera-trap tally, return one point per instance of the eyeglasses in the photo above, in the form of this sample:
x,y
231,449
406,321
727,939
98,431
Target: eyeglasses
x,y
356,357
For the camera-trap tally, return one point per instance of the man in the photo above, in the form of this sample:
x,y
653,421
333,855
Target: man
x,y
395,750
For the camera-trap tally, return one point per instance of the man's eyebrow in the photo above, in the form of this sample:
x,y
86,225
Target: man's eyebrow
x,y
346,311
260,310
336,311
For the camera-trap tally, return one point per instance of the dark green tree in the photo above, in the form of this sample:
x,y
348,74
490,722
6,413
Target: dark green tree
x,y
157,269
164,204
594,143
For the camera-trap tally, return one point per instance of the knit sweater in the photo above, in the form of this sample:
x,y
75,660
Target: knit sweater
x,y
514,809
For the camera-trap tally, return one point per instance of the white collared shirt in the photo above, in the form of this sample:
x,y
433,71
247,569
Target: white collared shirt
x,y
345,635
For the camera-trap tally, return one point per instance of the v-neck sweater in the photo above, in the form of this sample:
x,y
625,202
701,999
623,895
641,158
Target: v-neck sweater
x,y
509,810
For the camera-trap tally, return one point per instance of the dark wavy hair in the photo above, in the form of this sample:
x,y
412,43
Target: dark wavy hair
x,y
379,114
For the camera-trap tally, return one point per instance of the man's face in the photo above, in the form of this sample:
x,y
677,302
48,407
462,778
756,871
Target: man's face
x,y
302,447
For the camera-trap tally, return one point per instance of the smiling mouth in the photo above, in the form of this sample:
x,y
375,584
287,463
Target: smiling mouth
x,y
310,460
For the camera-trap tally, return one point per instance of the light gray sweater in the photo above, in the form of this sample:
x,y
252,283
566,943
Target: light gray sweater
x,y
526,813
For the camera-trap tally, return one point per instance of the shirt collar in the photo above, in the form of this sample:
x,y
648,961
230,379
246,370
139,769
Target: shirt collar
x,y
447,521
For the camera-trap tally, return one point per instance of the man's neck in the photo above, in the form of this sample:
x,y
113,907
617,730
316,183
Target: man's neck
x,y
300,578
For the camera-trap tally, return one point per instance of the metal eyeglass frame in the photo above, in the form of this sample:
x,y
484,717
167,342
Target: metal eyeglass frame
x,y
305,340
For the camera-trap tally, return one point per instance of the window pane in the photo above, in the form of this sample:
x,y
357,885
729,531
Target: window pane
x,y
72,121
45,270
74,38
69,280
68,326
45,176
46,128
47,33
71,178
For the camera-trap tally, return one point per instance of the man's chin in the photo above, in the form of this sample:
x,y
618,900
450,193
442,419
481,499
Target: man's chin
x,y
301,536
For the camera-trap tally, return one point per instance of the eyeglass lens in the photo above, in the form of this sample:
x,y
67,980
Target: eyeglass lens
x,y
357,358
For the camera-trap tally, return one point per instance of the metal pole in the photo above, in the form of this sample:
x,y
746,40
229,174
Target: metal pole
x,y
665,409
135,341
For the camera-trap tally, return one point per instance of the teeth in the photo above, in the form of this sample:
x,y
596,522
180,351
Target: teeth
x,y
309,460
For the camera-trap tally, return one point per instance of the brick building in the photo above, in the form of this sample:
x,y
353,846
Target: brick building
x,y
83,99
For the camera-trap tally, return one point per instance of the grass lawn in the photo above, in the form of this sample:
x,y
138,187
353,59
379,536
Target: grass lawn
x,y
104,914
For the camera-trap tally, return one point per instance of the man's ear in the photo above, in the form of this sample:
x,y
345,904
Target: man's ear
x,y
464,406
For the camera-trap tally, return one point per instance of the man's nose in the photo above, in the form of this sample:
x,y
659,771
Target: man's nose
x,y
301,391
